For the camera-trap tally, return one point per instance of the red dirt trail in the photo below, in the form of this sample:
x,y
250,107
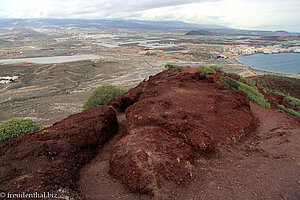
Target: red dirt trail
x,y
96,183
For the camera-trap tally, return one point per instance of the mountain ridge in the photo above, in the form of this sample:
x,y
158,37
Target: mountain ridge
x,y
131,24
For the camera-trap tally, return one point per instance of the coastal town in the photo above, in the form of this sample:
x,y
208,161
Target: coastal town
x,y
250,49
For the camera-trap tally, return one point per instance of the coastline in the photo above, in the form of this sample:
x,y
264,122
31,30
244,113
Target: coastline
x,y
253,70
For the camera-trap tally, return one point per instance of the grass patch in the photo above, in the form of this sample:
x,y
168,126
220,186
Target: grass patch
x,y
169,66
17,127
292,101
290,111
247,81
250,90
206,70
216,68
102,95
237,76
280,85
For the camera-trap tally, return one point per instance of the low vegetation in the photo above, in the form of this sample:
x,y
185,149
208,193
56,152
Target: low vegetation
x,y
247,81
292,101
216,68
102,95
249,89
285,86
290,111
17,127
206,70
261,90
169,66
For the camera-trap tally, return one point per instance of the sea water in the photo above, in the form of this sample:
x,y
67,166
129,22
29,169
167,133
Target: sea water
x,y
288,63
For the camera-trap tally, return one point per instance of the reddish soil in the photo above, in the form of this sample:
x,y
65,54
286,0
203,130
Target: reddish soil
x,y
178,117
275,100
268,85
95,181
263,165
181,136
49,160
289,86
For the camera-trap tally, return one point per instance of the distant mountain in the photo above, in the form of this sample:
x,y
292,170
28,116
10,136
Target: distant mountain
x,y
130,24
23,33
105,24
199,32
239,32
285,32
27,32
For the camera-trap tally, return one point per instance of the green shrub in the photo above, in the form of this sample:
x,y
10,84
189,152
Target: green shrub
x,y
279,93
206,70
247,81
17,127
102,95
292,101
169,66
230,83
216,68
234,74
290,111
250,90
279,85
254,95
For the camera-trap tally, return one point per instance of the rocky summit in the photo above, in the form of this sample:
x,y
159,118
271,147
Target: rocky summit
x,y
176,117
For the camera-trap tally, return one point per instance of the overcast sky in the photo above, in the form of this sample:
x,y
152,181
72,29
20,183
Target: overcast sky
x,y
244,14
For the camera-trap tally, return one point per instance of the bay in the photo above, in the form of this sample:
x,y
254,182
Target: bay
x,y
288,63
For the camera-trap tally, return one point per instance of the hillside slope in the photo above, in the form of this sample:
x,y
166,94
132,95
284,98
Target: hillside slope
x,y
179,135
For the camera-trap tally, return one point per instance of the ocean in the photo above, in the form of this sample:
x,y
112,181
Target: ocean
x,y
288,63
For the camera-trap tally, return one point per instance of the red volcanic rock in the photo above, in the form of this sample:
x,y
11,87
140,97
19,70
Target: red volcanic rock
x,y
174,118
48,160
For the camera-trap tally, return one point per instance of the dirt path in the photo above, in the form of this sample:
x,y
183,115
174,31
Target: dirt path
x,y
95,182
266,165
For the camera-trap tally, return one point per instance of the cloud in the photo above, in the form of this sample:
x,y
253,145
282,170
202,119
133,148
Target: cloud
x,y
245,14
263,15
70,8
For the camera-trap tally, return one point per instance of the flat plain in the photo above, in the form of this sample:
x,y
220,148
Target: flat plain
x,y
50,92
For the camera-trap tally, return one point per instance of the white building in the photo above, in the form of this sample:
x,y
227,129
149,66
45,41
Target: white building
x,y
4,82
6,78
12,78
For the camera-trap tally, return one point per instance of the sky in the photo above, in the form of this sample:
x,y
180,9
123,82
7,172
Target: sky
x,y
242,14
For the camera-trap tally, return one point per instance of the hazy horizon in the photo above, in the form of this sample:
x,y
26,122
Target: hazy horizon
x,y
270,15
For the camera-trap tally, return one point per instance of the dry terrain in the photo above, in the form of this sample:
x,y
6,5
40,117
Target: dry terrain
x,y
225,148
50,92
